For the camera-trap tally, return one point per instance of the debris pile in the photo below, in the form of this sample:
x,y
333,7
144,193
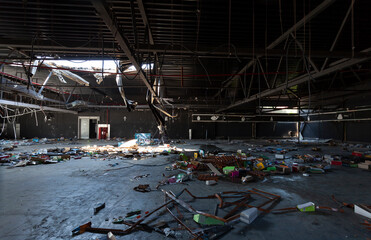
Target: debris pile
x,y
212,222
40,156
127,150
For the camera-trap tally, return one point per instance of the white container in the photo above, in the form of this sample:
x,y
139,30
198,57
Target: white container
x,y
210,182
249,215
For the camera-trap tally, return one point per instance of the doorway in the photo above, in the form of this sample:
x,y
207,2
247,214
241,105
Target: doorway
x,y
88,127
92,128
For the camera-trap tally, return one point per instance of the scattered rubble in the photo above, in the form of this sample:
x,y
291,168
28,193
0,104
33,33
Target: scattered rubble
x,y
210,165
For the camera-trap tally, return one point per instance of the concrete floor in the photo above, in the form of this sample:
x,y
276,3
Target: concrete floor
x,y
48,201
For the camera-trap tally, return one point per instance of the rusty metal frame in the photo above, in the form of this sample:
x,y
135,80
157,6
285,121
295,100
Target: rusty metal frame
x,y
245,196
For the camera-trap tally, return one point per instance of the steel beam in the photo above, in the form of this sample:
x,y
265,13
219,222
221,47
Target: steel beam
x,y
99,6
145,21
284,36
209,51
15,87
34,106
338,33
295,81
301,23
302,49
203,50
233,78
45,82
74,77
151,41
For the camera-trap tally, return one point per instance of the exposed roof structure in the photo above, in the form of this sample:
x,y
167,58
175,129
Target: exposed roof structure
x,y
219,56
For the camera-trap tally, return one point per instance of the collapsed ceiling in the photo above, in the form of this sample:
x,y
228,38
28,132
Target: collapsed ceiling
x,y
234,56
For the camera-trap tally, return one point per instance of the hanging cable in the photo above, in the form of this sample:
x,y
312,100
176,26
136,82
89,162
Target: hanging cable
x,y
306,63
3,127
28,72
353,47
279,3
253,29
229,27
260,110
266,35
304,41
102,57
198,15
65,46
294,18
37,122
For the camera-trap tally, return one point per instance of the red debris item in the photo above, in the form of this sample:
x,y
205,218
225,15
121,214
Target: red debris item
x,y
192,166
139,216
336,163
357,154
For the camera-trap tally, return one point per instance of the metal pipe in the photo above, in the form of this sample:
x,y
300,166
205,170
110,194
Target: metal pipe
x,y
45,82
336,112
27,105
339,120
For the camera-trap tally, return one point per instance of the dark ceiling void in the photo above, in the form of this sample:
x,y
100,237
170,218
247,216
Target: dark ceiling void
x,y
218,57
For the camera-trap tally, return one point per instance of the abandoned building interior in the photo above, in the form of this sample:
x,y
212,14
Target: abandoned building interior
x,y
185,119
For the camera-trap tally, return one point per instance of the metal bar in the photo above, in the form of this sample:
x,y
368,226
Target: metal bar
x,y
27,105
336,112
338,33
29,92
339,120
279,65
303,21
302,49
145,20
190,208
265,77
203,50
134,23
74,77
295,81
122,41
45,82
239,205
251,80
181,223
71,93
231,79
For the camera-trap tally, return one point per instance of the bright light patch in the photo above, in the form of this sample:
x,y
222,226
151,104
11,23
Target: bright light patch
x,y
280,109
109,65
144,67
